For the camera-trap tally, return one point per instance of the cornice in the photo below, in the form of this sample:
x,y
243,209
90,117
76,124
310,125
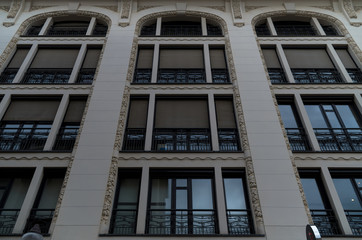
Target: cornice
x,y
328,157
34,158
317,86
176,157
44,87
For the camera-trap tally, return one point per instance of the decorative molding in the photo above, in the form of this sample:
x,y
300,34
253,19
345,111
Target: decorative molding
x,y
251,8
253,191
348,6
220,8
14,8
34,8
301,39
44,87
236,7
5,8
317,86
329,8
111,185
126,8
63,39
358,8
141,8
112,8
34,158
177,157
328,157
180,87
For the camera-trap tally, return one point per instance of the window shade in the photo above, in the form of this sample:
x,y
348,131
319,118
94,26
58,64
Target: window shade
x,y
217,58
75,111
308,58
91,58
18,58
55,58
271,58
138,113
32,110
181,58
346,58
145,58
225,113
182,113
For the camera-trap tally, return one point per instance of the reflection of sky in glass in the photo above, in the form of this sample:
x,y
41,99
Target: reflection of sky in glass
x,y
288,116
312,193
347,116
347,194
333,120
202,194
181,199
315,116
234,192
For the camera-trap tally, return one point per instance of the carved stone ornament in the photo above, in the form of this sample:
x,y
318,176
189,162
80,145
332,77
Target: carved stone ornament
x,y
235,4
111,185
126,8
14,8
34,8
5,8
348,6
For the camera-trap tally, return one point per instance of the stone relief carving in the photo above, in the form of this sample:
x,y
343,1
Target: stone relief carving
x,y
35,158
112,8
251,8
348,6
5,8
140,7
330,8
14,8
126,8
318,86
328,157
34,8
220,8
179,158
235,4
111,185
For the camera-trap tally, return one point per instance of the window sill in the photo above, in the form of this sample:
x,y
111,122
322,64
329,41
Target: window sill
x,y
184,235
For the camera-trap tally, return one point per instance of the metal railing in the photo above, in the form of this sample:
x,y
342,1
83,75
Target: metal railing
x,y
148,30
8,75
67,31
123,222
43,217
142,75
325,221
181,76
316,76
181,30
354,218
262,30
277,75
295,30
196,140
297,139
181,222
220,76
47,76
229,140
339,139
134,139
355,74
240,222
7,220
213,30
33,31
86,76
66,138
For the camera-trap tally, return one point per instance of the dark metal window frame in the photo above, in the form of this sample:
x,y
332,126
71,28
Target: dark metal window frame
x,y
65,141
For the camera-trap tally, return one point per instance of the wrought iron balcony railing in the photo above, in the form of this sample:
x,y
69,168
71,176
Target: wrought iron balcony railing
x,y
123,222
229,140
339,139
179,30
297,139
43,217
66,138
277,75
316,76
86,76
240,222
67,31
213,30
355,74
325,221
181,222
142,75
354,218
134,139
47,76
181,76
8,75
195,140
33,31
148,30
295,30
220,76
7,220
262,30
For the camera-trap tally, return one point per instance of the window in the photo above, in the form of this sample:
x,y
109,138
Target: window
x,y
294,28
8,75
143,72
219,69
237,206
46,200
337,126
354,72
275,70
181,203
322,214
124,215
88,68
14,184
349,187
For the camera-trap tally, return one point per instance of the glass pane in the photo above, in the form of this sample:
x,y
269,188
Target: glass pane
x,y
4,182
234,193
347,116
17,193
181,182
202,194
128,193
347,194
161,194
181,199
315,116
359,182
49,197
333,120
312,194
288,117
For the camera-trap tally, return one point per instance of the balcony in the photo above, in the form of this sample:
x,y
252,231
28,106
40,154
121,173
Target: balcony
x,y
325,221
134,139
339,139
86,76
181,30
229,140
277,75
7,220
220,76
355,221
123,222
8,75
66,138
316,76
193,140
47,76
67,31
142,75
240,222
43,217
179,76
262,30
181,222
355,74
291,30
297,139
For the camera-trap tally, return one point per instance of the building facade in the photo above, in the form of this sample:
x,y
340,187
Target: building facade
x,y
135,119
